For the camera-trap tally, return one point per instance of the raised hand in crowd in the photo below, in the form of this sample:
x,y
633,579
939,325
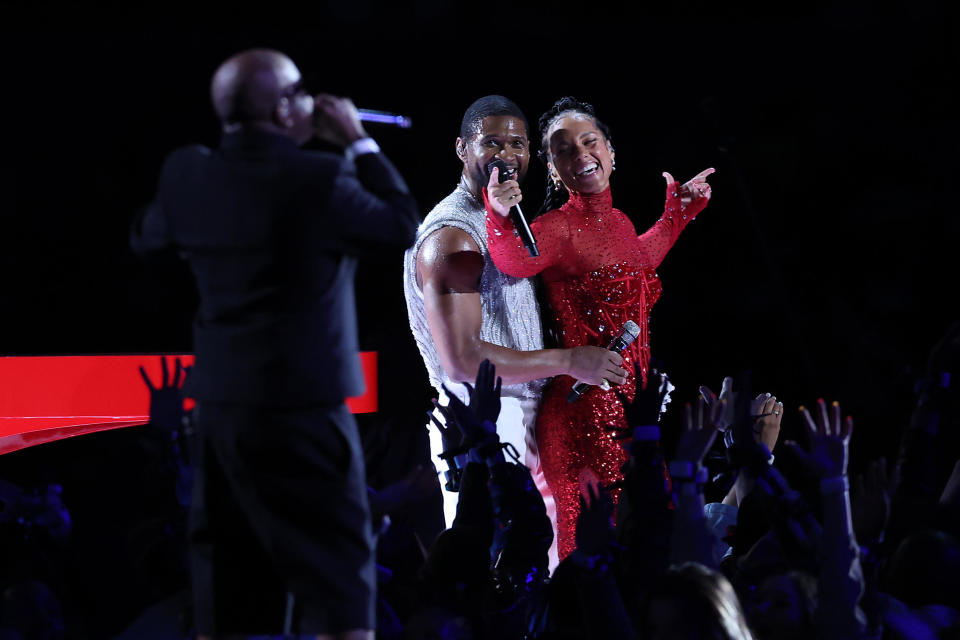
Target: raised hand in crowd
x,y
700,428
476,421
750,441
754,429
167,415
829,441
767,413
721,406
485,395
450,433
452,441
692,541
166,400
840,580
765,410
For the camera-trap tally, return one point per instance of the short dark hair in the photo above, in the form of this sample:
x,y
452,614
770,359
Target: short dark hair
x,y
489,106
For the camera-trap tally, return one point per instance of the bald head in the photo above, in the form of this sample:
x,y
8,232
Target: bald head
x,y
248,86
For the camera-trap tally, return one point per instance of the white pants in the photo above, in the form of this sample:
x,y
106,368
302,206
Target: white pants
x,y
516,425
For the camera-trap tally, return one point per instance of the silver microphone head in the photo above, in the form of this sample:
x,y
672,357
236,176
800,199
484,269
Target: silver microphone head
x,y
630,331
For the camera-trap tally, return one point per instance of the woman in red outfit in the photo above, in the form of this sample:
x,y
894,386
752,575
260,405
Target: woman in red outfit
x,y
598,273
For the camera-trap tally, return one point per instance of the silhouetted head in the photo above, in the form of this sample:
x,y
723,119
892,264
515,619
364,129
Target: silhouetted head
x,y
437,623
925,569
691,601
456,573
783,607
262,88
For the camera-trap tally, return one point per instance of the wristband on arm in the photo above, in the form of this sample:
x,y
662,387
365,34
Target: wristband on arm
x,y
360,147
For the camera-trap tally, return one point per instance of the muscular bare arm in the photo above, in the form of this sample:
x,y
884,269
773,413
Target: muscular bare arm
x,y
449,265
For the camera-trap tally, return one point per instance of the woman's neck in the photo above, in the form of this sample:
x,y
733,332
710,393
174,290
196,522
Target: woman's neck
x,y
591,202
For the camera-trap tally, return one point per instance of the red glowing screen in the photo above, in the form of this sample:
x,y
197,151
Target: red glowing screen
x,y
46,398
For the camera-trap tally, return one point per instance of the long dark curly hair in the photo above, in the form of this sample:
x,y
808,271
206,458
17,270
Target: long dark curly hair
x,y
557,195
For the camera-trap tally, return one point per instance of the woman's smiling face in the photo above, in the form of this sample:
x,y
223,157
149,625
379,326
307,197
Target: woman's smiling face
x,y
580,155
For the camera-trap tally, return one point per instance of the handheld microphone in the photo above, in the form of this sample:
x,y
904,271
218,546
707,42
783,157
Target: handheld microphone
x,y
526,235
385,117
628,333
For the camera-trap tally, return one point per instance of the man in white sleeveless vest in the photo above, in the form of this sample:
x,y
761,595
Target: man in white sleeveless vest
x,y
463,309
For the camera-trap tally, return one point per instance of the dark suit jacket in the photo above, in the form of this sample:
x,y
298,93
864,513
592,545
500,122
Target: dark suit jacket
x,y
272,234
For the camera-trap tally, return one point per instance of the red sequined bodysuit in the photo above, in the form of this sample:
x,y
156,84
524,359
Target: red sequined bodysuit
x,y
598,274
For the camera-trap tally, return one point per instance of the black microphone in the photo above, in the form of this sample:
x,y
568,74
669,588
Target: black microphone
x,y
526,235
628,333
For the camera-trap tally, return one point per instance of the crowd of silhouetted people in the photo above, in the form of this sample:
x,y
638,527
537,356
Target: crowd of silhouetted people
x,y
716,538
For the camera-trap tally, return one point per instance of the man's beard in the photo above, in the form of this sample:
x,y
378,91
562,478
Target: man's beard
x,y
479,175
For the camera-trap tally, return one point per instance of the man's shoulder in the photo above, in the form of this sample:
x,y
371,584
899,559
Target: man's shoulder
x,y
321,161
450,258
314,172
195,149
448,240
459,210
452,224
188,154
459,201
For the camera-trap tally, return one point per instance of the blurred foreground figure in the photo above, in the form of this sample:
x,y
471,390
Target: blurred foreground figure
x,y
280,526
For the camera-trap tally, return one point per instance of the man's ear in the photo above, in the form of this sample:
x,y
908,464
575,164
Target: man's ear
x,y
283,113
462,149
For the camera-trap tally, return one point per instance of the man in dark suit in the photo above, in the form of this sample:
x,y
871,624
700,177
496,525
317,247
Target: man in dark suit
x,y
280,527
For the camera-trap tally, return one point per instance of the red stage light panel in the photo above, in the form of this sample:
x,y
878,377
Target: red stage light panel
x,y
46,398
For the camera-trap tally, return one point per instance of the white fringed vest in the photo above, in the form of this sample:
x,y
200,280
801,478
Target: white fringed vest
x,y
510,315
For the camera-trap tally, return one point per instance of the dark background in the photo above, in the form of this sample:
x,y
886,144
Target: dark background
x,y
825,263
